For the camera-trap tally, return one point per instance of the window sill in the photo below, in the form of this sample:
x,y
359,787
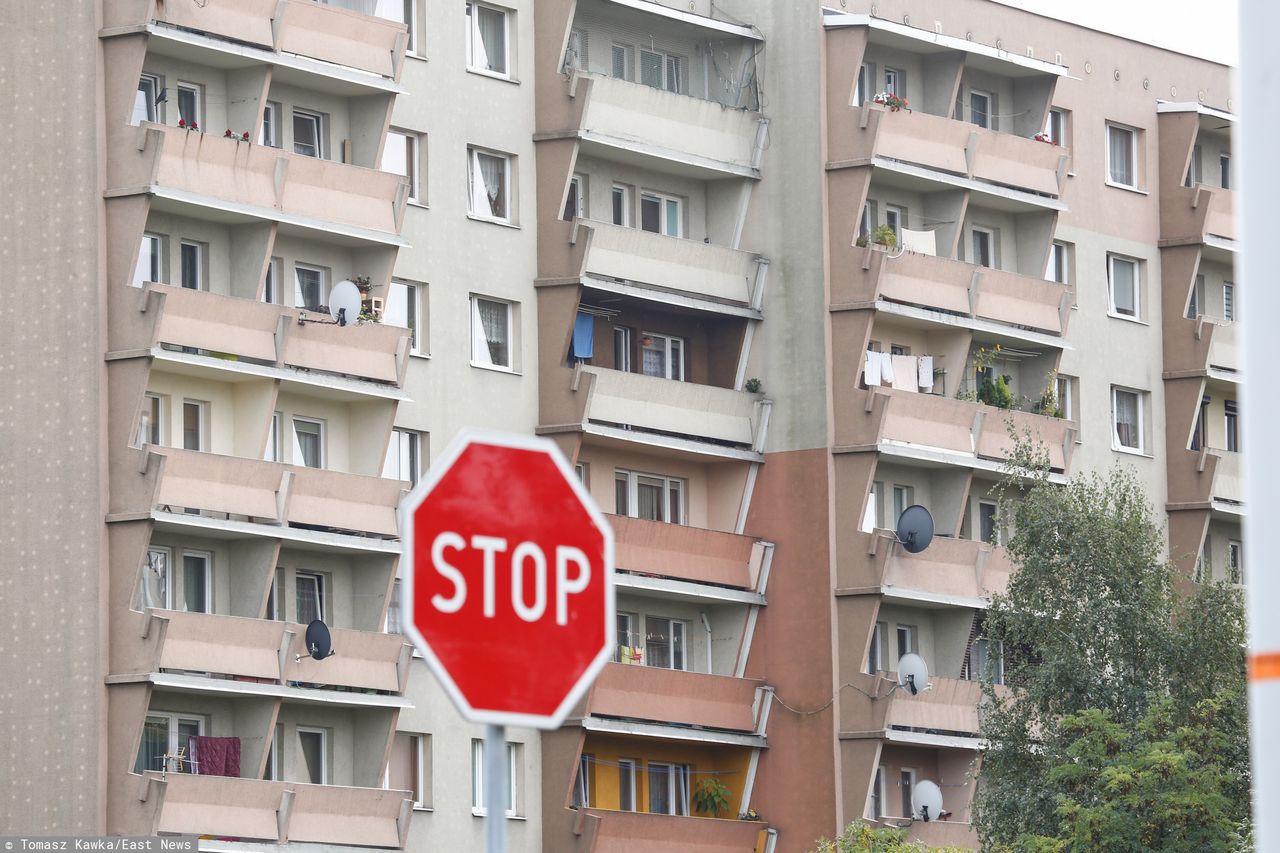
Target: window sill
x,y
425,355
1129,451
418,808
510,371
413,202
505,223
1138,320
421,57
476,812
492,75
1125,187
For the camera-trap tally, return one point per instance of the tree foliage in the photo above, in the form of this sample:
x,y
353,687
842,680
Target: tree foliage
x,y
858,837
1120,687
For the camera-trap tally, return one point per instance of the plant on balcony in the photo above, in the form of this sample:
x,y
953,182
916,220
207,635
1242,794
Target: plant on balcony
x,y
996,393
1048,402
231,134
892,101
185,125
1043,136
752,385
749,814
881,235
368,315
858,837
711,796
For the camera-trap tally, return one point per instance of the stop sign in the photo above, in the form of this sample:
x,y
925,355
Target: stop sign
x,y
508,579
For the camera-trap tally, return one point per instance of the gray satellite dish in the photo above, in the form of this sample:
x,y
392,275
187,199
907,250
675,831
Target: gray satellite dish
x,y
913,673
344,302
915,528
926,801
319,641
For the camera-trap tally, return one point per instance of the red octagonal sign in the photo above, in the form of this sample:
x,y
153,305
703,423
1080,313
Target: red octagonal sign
x,y
508,579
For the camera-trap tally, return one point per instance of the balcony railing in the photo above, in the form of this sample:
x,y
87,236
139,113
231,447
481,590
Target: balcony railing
x,y
184,803
1196,214
302,27
1228,477
668,125
673,407
255,331
275,493
671,263
621,832
953,568
673,696
683,552
949,705
1224,346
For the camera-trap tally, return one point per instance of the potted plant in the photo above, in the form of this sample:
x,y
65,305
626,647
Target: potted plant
x,y
881,235
711,796
891,100
1043,136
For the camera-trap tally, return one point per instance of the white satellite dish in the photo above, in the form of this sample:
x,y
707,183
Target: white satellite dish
x,y
926,801
913,673
344,302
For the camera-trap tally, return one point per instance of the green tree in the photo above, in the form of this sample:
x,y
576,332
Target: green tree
x,y
1094,632
858,837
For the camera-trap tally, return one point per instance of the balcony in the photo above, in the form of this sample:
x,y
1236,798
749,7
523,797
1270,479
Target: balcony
x,y
270,334
283,27
957,287
1228,478
246,181
674,697
1197,214
671,263
932,426
626,832
183,803
273,493
1224,346
949,705
673,408
959,571
955,147
702,135
685,553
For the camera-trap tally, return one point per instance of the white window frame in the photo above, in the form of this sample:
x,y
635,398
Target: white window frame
x,y
414,315
901,650
1195,172
1229,301
152,109
404,442
895,82
990,98
1231,426
398,138
673,362
150,254
1066,396
1059,267
632,508
318,121
202,425
907,782
173,719
627,769
876,796
272,771
275,604
197,92
1224,171
903,497
995,522
300,458
576,51
1112,310
272,281
1235,561
475,174
478,806
583,472
669,624
199,250
1111,180
1196,304
207,557
628,54
274,449
1116,444
679,805
895,217
474,38
668,82
269,134
322,286
1056,127
622,346
155,410
324,751
480,353
989,234
866,73
623,192
320,584
876,648
577,198
625,624
165,555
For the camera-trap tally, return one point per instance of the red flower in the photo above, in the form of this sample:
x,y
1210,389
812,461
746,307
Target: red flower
x,y
228,134
245,136
182,122
195,125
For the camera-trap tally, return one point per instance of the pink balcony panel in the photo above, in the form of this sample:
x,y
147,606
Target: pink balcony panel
x,y
922,139
948,567
228,645
366,660
219,805
339,36
1017,161
1020,299
208,321
219,483
926,280
668,695
683,552
366,350
326,814
632,832
344,501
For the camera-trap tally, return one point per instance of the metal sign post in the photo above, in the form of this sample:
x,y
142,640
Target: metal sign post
x,y
495,791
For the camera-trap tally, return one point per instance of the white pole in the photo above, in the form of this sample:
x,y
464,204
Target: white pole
x,y
496,786
1259,194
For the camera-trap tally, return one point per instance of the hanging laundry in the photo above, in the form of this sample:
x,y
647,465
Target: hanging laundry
x,y
926,373
871,369
905,373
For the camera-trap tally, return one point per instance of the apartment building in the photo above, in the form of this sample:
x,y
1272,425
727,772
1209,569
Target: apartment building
x,y
767,273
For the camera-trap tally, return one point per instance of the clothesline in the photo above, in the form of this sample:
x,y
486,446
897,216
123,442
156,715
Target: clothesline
x,y
901,372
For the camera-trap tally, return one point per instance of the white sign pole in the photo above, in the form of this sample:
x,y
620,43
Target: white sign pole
x,y
496,786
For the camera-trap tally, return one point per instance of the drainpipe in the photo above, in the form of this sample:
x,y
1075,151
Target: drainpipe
x,y
706,623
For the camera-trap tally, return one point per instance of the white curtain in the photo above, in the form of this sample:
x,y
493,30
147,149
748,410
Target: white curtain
x,y
155,581
141,107
869,517
488,193
1127,419
1120,154
682,789
1122,286
489,49
489,333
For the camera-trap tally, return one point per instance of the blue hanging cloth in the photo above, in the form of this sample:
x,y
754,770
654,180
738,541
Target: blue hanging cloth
x,y
583,336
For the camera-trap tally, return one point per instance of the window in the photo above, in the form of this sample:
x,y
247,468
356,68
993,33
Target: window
x,y
868,217
626,785
875,799
1056,127
190,105
1224,166
582,782
980,108
164,734
400,157
404,456
906,641
273,453
662,71
582,470
148,266
309,588
987,522
404,308
664,643
406,12
197,581
314,746
1196,301
621,205
1065,390
1232,425
275,607
308,442
144,103
1122,156
983,247
271,290
875,654
623,62
273,768
270,134
662,356
661,214
1123,276
871,514
193,265
1203,569
877,489
394,625
903,497
1228,302
907,779
308,134
576,53
486,39
154,587
195,416
1193,170
1059,268
668,788
1199,434
310,287
895,82
491,333
1127,414
629,648
896,218
866,76
575,202
981,657
622,348
1235,562
151,423
490,182
410,767
649,496
477,778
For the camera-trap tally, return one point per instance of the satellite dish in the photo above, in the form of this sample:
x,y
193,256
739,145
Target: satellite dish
x,y
344,302
926,801
319,642
915,528
913,673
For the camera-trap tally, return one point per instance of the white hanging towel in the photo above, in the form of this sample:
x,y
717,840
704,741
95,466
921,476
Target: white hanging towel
x,y
871,369
905,373
926,373
886,368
